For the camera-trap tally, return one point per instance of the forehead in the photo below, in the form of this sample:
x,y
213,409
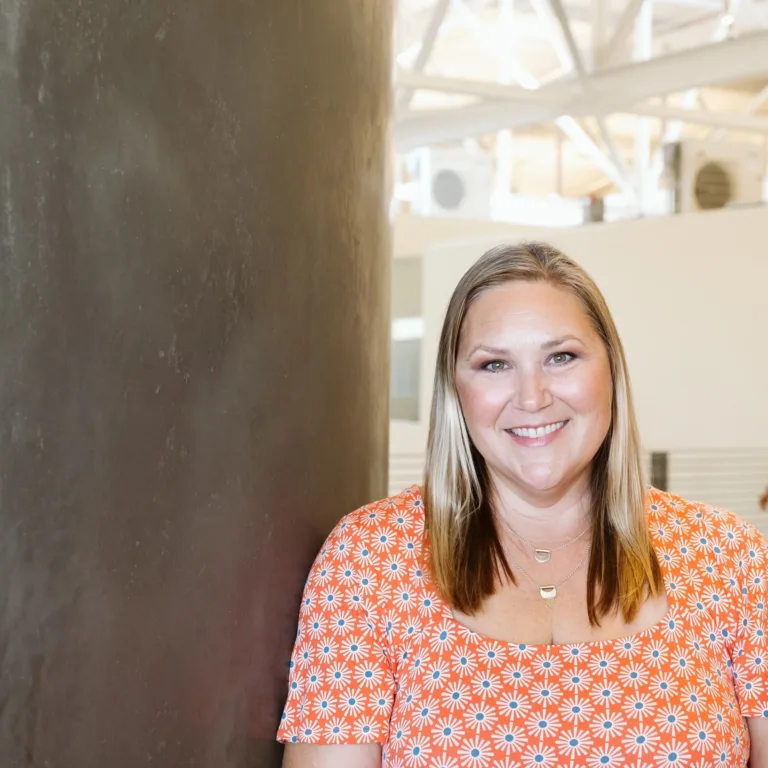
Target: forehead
x,y
540,305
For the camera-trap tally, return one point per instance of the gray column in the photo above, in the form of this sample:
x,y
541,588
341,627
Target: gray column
x,y
193,360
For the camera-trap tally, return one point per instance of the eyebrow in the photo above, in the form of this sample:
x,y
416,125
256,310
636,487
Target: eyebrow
x,y
489,350
501,351
560,342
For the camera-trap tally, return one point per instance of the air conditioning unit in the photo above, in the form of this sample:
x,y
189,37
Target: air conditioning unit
x,y
452,183
706,175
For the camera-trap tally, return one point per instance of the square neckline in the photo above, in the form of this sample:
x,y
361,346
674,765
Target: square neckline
x,y
672,614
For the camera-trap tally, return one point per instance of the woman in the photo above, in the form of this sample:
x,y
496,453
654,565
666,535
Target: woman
x,y
532,605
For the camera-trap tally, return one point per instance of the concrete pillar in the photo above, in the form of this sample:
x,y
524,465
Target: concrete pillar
x,y
193,360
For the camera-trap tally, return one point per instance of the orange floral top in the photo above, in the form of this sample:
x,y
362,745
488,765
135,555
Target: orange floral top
x,y
380,658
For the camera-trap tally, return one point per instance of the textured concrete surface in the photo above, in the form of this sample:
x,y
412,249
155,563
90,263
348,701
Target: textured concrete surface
x,y
193,360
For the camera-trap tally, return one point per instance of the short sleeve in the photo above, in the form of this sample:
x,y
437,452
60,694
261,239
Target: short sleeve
x,y
341,687
749,653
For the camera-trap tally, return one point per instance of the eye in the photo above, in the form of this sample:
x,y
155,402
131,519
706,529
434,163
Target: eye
x,y
562,358
494,366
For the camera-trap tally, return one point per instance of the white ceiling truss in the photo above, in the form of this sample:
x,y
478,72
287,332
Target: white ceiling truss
x,y
620,89
474,68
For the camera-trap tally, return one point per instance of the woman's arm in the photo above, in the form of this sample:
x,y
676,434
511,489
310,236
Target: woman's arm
x,y
758,735
341,756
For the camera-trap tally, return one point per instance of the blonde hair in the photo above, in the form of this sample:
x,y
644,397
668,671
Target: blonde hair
x,y
465,554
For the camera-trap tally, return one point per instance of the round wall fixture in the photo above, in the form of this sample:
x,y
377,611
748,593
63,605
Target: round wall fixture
x,y
712,186
448,189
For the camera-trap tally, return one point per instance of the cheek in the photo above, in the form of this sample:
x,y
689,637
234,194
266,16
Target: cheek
x,y
481,401
589,394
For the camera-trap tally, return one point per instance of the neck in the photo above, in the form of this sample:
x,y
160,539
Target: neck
x,y
551,520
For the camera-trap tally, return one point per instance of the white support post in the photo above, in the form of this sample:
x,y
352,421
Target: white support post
x,y
425,51
642,51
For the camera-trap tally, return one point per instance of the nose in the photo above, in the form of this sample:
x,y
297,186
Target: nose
x,y
532,392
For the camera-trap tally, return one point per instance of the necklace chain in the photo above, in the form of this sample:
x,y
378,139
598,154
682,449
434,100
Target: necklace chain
x,y
533,581
533,546
547,592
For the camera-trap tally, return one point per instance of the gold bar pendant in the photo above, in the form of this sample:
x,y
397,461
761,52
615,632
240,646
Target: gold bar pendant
x,y
548,594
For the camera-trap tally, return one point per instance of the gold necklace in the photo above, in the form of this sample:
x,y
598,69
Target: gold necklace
x,y
540,555
547,592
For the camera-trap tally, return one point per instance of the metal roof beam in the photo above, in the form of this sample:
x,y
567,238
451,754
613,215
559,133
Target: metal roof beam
x,y
602,92
722,62
481,88
732,121
614,159
624,29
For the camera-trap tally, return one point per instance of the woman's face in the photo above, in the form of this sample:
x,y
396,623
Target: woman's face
x,y
535,387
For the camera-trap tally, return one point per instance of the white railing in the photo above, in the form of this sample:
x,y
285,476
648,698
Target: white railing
x,y
730,478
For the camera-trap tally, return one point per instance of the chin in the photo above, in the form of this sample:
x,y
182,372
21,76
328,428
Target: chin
x,y
537,480
541,476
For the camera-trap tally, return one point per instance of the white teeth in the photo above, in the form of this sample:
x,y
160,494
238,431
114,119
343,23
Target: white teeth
x,y
538,431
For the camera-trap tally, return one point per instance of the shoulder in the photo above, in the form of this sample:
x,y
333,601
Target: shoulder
x,y
370,552
389,525
702,527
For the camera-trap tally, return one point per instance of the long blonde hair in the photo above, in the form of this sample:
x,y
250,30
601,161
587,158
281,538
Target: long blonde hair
x,y
465,553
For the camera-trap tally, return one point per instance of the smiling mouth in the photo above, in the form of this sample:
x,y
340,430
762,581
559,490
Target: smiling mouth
x,y
532,432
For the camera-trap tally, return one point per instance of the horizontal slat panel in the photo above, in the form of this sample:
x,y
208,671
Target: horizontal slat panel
x,y
405,469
